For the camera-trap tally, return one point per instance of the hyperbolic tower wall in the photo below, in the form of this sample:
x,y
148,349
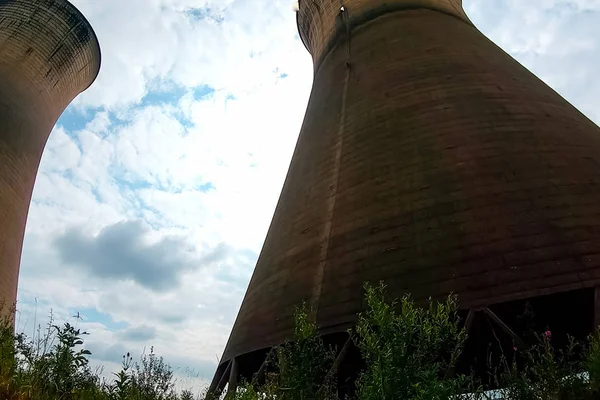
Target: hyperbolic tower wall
x,y
48,55
430,159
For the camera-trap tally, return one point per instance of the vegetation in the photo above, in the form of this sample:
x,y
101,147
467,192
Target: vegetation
x,y
408,349
56,367
301,367
408,353
548,373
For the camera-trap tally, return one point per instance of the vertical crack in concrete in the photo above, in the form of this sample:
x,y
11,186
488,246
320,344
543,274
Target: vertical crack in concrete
x,y
326,237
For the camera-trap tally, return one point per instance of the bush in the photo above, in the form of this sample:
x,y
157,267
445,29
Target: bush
x,y
152,379
304,362
407,353
546,373
408,349
302,365
56,367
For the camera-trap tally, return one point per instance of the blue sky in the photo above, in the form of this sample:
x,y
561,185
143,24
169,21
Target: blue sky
x,y
158,183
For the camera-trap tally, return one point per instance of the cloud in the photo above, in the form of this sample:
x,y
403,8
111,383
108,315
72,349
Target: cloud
x,y
121,252
186,43
556,39
111,353
140,333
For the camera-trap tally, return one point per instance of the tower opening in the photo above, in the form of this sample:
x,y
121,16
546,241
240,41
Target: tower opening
x,y
513,326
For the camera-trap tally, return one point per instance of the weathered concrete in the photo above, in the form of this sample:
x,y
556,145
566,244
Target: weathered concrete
x,y
428,158
48,55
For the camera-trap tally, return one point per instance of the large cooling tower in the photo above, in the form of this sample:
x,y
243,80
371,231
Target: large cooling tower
x,y
48,55
430,159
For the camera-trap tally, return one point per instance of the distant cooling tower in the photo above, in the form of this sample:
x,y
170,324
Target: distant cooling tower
x,y
48,55
432,160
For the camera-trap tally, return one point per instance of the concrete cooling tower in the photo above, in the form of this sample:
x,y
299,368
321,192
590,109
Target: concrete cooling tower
x,y
48,55
432,160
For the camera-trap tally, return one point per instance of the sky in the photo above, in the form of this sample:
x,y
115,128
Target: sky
x,y
158,184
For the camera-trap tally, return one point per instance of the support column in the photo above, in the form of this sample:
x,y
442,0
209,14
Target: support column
x,y
214,392
504,327
260,375
451,371
214,384
233,376
338,361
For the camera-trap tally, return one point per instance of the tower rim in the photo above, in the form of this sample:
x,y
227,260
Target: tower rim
x,y
333,22
94,37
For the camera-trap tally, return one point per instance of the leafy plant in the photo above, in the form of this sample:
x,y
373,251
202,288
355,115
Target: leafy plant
x,y
408,351
121,387
304,361
407,348
591,364
546,373
152,379
55,366
302,365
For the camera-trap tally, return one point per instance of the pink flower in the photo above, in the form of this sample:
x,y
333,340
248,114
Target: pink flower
x,y
515,348
548,335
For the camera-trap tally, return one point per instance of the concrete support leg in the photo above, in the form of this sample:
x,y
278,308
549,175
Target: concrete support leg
x,y
215,382
233,376
260,375
451,371
215,390
338,361
504,327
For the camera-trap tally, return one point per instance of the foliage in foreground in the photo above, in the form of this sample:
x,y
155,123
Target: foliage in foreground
x,y
56,367
548,373
407,350
300,367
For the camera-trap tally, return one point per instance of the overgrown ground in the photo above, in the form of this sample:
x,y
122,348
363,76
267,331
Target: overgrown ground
x,y
408,351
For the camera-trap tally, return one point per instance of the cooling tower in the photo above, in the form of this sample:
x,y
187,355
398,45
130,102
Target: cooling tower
x,y
48,55
430,159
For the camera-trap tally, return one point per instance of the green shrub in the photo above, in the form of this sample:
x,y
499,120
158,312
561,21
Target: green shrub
x,y
302,365
55,366
408,352
546,373
591,364
408,349
152,379
304,361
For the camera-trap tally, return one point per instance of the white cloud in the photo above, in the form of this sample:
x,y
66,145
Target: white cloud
x,y
209,169
180,41
556,39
